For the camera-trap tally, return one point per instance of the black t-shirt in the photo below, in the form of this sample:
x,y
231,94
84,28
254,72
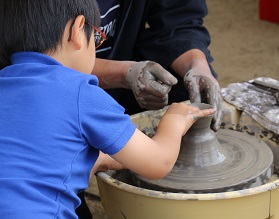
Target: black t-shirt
x,y
109,14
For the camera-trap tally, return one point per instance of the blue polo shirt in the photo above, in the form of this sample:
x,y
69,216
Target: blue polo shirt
x,y
53,122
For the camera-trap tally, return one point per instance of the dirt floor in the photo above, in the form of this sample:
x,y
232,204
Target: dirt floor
x,y
243,46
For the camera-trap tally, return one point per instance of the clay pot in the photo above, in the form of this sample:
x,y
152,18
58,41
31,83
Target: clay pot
x,y
210,162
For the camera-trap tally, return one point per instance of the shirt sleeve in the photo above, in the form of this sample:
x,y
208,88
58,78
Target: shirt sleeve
x,y
175,27
103,123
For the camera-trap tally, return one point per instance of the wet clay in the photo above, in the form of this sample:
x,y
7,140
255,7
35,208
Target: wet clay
x,y
210,162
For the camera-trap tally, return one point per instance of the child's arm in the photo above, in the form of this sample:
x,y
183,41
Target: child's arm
x,y
154,158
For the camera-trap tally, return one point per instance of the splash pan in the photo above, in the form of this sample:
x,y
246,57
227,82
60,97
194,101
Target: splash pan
x,y
122,199
240,162
208,162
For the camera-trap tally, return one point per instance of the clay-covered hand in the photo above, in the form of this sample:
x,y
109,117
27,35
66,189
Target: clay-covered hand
x,y
203,87
150,83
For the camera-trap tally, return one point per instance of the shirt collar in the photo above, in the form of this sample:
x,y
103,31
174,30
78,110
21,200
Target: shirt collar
x,y
33,57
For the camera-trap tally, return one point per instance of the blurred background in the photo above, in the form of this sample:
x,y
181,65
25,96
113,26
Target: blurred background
x,y
243,45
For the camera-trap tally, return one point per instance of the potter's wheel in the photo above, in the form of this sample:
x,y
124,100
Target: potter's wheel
x,y
208,163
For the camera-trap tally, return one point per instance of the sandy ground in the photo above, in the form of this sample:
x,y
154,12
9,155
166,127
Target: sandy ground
x,y
243,46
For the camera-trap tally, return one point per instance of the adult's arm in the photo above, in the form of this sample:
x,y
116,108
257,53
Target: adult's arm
x,y
149,81
176,38
175,27
111,73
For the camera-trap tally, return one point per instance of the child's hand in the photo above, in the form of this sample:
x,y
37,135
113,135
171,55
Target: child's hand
x,y
105,163
189,114
195,113
139,152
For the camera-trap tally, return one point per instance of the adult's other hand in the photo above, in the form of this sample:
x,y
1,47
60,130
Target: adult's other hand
x,y
150,83
203,87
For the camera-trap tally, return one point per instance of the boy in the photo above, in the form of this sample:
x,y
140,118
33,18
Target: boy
x,y
54,119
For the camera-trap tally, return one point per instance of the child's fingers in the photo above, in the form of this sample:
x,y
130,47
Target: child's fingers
x,y
201,113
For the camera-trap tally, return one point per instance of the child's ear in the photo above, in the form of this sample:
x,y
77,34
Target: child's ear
x,y
78,32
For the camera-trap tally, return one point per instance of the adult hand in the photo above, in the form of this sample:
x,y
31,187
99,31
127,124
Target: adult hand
x,y
203,87
150,83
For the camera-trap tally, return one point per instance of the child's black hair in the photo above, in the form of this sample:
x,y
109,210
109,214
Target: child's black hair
x,y
38,25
